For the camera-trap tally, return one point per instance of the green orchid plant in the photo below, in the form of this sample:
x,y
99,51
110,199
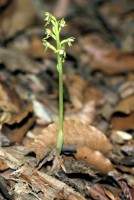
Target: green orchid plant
x,y
59,49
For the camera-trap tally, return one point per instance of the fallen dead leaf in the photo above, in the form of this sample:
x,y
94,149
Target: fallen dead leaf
x,y
36,49
15,60
16,17
123,123
93,94
3,165
8,95
105,191
94,158
7,111
125,106
108,61
75,134
76,86
86,114
16,128
97,193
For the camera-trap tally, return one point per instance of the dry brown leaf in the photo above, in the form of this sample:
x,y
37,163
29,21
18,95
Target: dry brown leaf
x,y
94,94
97,193
16,17
109,194
123,123
126,105
3,165
109,61
126,89
8,107
3,92
7,110
61,8
94,158
73,197
36,49
75,134
76,86
86,114
17,127
8,95
15,60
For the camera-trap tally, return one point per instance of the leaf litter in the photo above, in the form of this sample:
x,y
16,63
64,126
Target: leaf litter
x,y
98,153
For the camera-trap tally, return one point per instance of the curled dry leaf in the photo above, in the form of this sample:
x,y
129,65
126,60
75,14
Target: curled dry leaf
x,y
126,106
103,193
75,134
3,165
16,17
8,95
123,123
76,86
109,61
86,114
96,193
94,94
35,48
16,128
7,111
15,60
94,158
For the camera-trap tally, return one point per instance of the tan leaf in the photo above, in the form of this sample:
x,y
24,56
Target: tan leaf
x,y
76,86
8,95
103,191
123,123
94,158
94,94
3,165
36,49
16,128
109,61
15,60
96,193
7,110
126,105
16,17
75,134
86,114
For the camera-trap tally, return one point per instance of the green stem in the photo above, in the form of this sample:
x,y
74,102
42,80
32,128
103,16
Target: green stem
x,y
60,135
60,71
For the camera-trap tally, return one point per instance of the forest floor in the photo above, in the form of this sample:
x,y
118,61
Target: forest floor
x,y
97,158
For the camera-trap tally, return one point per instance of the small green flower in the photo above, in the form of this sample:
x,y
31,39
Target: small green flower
x,y
48,45
62,23
70,40
48,33
48,18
